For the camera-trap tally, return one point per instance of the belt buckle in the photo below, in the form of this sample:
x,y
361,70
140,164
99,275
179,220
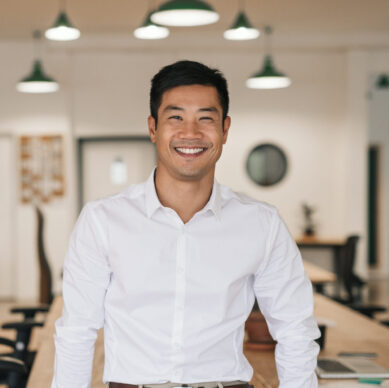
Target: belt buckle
x,y
182,386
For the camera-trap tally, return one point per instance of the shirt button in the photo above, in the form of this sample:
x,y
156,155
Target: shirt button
x,y
180,270
176,345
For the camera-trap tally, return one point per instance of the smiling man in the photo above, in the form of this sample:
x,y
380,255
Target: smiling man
x,y
192,128
171,267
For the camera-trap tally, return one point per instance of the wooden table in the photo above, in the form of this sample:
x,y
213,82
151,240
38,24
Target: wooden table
x,y
318,242
353,332
318,276
335,245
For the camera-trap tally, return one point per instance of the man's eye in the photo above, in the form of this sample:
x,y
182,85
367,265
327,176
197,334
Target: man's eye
x,y
175,117
206,118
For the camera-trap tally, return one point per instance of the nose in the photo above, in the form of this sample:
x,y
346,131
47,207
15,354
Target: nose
x,y
190,130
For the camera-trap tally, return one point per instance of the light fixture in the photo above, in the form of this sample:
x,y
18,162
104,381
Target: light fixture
x,y
185,13
268,77
118,171
382,82
37,81
150,30
62,29
241,29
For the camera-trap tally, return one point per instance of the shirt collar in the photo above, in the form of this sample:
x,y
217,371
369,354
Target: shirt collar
x,y
153,203
151,197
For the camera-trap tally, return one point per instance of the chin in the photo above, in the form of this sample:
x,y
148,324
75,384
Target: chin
x,y
192,175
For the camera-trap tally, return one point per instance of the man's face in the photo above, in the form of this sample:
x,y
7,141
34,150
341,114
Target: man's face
x,y
190,132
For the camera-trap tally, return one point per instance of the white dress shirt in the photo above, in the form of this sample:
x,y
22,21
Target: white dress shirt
x,y
173,297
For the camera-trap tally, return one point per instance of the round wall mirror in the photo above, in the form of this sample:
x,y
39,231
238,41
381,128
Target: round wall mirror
x,y
266,164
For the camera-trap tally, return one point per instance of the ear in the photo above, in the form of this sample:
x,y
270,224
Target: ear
x,y
152,128
226,127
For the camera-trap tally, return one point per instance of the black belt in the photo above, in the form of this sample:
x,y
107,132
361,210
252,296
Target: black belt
x,y
121,385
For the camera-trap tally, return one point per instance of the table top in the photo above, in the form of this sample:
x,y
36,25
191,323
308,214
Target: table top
x,y
318,275
352,332
319,242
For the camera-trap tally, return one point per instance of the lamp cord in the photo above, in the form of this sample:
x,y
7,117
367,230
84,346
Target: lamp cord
x,y
37,35
62,5
268,40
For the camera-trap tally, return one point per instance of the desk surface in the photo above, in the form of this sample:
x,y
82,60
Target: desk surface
x,y
317,242
353,332
318,275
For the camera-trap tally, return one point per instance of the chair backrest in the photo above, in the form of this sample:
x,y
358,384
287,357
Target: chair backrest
x,y
45,283
351,282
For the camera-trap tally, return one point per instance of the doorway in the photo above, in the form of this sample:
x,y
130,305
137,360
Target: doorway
x,y
109,164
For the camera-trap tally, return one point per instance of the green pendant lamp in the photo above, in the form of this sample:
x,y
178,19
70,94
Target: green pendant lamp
x,y
185,13
382,82
37,81
241,29
268,77
62,29
150,30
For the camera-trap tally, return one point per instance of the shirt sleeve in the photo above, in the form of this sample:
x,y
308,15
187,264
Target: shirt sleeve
x,y
285,297
85,281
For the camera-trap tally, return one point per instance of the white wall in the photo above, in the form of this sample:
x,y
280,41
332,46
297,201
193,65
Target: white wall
x,y
105,92
35,114
8,270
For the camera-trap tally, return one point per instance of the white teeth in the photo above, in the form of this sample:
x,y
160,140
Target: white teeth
x,y
190,150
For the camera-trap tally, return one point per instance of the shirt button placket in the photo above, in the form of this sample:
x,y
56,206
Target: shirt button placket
x,y
179,304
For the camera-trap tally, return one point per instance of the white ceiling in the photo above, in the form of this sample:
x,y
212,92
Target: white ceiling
x,y
18,18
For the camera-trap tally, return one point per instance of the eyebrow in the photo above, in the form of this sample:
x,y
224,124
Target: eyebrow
x,y
210,109
207,109
173,107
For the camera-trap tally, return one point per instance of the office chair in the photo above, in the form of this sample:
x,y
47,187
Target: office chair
x,y
46,295
45,284
352,283
31,311
13,373
19,348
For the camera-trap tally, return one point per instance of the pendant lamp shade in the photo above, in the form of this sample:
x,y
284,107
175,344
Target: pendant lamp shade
x,y
37,81
150,30
268,77
62,29
383,82
185,13
241,29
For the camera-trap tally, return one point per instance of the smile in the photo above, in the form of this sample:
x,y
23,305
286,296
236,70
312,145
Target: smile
x,y
190,151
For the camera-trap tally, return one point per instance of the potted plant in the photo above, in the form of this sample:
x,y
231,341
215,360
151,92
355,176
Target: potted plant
x,y
258,335
309,227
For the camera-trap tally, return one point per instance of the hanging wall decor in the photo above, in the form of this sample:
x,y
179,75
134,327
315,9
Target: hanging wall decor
x,y
41,168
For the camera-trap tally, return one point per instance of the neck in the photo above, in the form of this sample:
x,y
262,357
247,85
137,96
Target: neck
x,y
185,197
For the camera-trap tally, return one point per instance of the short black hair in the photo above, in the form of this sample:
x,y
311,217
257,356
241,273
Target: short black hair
x,y
187,73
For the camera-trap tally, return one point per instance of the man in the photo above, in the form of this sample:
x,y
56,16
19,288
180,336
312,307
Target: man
x,y
171,267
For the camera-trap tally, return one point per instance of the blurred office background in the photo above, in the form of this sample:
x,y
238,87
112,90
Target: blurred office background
x,y
334,112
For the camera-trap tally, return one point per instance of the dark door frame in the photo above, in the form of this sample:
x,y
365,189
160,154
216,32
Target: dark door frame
x,y
373,199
